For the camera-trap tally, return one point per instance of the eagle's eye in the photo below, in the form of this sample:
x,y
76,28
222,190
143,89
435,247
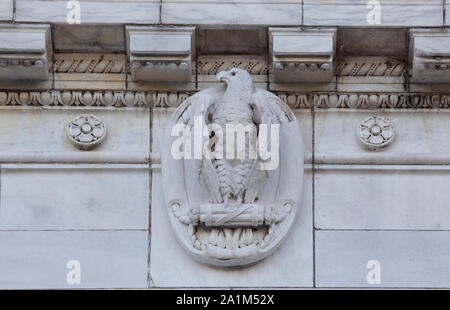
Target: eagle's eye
x,y
233,73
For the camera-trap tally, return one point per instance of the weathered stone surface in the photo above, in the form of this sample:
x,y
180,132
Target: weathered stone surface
x,y
376,174
430,54
419,137
302,55
358,13
256,12
61,197
382,197
406,258
121,11
26,52
88,39
6,10
24,139
158,54
108,259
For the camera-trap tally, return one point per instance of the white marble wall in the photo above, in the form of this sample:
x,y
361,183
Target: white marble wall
x,y
58,203
216,12
390,206
108,259
115,11
355,12
406,258
6,10
359,205
242,12
104,207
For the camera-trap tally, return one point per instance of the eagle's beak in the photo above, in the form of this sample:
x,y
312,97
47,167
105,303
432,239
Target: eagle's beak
x,y
222,76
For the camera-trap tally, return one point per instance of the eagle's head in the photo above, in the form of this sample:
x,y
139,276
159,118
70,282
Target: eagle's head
x,y
236,79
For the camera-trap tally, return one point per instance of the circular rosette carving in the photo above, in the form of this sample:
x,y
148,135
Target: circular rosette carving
x,y
375,132
232,211
86,131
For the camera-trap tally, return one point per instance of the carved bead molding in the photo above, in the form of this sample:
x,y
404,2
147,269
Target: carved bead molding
x,y
86,131
302,55
430,52
25,52
375,132
233,211
160,54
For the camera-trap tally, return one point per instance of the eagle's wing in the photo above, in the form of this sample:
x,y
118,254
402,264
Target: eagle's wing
x,y
267,109
204,169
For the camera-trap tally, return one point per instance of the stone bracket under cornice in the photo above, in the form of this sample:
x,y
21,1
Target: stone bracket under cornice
x,y
302,56
430,55
158,54
25,52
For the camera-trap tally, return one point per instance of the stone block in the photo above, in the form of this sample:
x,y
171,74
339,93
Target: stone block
x,y
430,53
39,259
159,54
26,52
300,56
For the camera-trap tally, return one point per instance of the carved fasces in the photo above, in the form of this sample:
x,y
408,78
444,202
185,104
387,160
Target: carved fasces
x,y
232,198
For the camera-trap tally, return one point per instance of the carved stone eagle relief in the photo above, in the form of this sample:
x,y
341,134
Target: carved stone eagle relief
x,y
232,169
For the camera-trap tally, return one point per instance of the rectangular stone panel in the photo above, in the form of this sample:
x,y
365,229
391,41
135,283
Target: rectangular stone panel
x,y
6,10
71,197
359,13
23,138
403,259
244,12
107,259
447,14
113,11
382,197
421,136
